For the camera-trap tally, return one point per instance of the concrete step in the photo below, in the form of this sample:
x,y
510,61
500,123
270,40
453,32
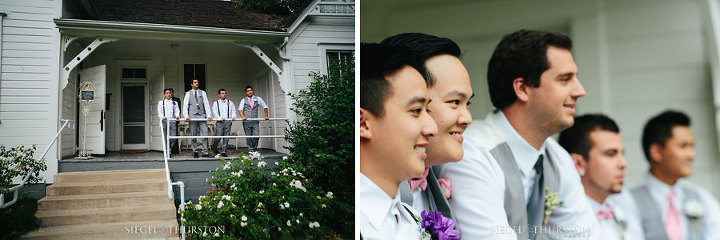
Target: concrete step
x,y
102,200
110,176
165,211
101,187
165,229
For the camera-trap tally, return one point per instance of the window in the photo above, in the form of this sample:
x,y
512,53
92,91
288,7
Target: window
x,y
136,73
193,71
336,57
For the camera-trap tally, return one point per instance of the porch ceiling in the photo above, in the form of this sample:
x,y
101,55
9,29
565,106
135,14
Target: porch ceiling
x,y
128,30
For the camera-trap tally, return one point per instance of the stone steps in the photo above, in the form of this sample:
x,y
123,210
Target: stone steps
x,y
120,204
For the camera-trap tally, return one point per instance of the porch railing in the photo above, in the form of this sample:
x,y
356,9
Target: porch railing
x,y
16,188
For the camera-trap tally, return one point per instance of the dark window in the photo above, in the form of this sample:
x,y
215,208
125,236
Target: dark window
x,y
134,73
335,57
192,71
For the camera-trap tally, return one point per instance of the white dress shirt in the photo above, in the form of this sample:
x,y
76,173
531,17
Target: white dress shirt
x,y
226,107
711,219
377,213
255,98
169,108
479,185
200,94
627,222
420,200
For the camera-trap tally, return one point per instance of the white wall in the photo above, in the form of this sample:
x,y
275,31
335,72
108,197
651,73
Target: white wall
x,y
635,58
28,83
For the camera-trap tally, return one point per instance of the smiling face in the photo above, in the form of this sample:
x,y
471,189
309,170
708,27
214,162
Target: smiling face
x,y
222,95
400,137
249,92
675,158
605,166
168,94
449,107
553,103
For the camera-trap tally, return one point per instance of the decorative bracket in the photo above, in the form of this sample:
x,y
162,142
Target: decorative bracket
x,y
263,57
82,55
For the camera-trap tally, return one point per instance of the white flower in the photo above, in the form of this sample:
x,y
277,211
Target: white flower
x,y
288,223
282,206
287,205
693,209
317,224
284,157
318,197
311,225
198,207
323,205
204,234
233,204
257,210
274,184
261,164
220,204
301,214
226,166
217,235
243,224
279,229
276,163
243,218
260,204
232,215
262,191
298,185
329,195
226,197
297,221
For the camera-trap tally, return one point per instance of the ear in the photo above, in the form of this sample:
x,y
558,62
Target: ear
x,y
365,133
655,153
580,163
521,89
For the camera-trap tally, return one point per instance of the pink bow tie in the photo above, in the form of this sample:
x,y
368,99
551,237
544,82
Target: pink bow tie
x,y
605,213
445,186
419,181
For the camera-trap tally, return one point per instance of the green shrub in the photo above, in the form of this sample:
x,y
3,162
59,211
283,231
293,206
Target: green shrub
x,y
19,218
15,162
251,200
322,140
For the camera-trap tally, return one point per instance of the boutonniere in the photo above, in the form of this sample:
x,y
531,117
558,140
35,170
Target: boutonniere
x,y
551,202
435,226
620,226
446,187
693,209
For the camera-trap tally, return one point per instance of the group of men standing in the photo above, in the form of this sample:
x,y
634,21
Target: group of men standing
x,y
195,109
504,177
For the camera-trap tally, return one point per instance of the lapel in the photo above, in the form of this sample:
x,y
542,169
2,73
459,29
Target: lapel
x,y
436,196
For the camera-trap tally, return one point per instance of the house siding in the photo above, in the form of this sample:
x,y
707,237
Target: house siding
x,y
28,79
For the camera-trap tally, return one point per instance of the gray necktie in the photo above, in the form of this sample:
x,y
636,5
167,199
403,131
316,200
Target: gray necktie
x,y
535,204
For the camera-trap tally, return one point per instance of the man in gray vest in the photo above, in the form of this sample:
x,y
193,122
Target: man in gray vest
x,y
514,181
248,108
672,209
196,106
595,145
450,92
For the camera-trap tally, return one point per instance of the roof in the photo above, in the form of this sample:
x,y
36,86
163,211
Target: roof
x,y
208,13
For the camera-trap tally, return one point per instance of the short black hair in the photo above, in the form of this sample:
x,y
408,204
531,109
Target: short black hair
x,y
576,139
376,61
423,47
521,54
250,87
659,129
221,90
167,89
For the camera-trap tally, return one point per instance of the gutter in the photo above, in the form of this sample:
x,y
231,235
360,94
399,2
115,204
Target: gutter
x,y
81,24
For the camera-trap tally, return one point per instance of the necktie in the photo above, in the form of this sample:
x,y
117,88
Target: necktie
x,y
251,102
605,213
672,220
419,181
195,92
535,204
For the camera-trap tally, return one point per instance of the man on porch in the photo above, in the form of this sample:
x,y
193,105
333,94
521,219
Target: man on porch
x,y
196,105
248,108
223,110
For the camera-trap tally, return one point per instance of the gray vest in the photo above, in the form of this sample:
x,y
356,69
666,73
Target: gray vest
x,y
248,111
652,220
433,193
196,108
515,205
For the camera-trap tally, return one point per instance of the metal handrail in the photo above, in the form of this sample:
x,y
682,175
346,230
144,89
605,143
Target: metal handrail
x,y
15,189
180,184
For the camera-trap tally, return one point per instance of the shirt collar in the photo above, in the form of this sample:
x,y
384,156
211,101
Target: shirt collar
x,y
660,190
374,203
525,155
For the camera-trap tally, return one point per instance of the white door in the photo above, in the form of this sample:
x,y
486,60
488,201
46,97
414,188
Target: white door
x,y
93,126
134,116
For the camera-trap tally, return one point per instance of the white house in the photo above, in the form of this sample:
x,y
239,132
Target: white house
x,y
132,50
635,58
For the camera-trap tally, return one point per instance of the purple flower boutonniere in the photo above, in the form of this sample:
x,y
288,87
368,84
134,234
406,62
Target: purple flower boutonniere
x,y
438,226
